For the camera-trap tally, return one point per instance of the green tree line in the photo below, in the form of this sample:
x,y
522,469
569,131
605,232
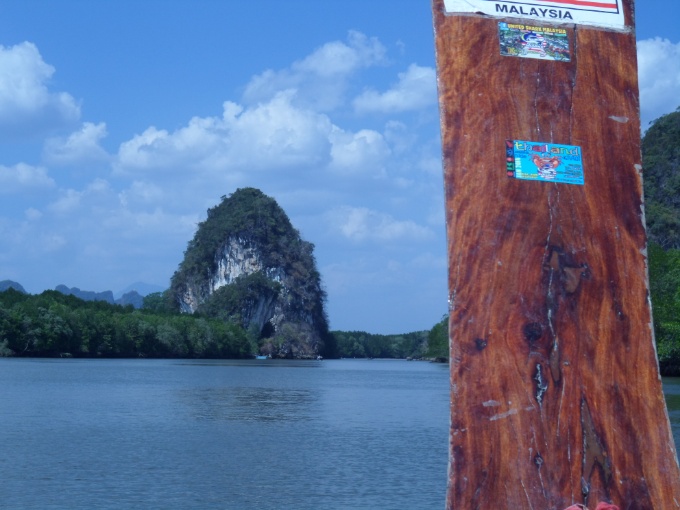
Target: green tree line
x,y
53,324
360,344
664,283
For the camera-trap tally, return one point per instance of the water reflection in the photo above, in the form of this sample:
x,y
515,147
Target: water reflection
x,y
249,404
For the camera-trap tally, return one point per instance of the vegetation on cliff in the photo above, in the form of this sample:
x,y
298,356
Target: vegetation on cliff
x,y
275,293
661,174
661,171
248,214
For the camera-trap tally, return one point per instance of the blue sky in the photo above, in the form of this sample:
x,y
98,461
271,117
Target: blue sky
x,y
122,122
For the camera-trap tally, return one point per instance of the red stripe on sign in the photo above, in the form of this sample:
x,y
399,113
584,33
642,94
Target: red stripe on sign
x,y
607,4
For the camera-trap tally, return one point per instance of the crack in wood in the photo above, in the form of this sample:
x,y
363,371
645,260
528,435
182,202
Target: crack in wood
x,y
565,276
595,457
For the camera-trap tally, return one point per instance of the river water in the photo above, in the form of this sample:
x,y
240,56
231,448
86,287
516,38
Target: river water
x,y
336,434
123,434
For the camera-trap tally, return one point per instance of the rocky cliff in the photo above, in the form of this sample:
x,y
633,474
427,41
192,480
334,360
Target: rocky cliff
x,y
247,264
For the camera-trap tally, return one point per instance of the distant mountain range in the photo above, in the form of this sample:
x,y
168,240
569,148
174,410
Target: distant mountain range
x,y
131,295
143,289
9,284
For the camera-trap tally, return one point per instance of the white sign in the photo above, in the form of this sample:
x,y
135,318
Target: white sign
x,y
603,13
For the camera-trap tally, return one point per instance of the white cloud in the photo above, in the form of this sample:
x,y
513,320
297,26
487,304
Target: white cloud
x,y
274,135
67,202
364,152
144,151
81,146
659,72
339,59
141,192
98,193
361,224
26,104
415,90
279,134
23,177
320,79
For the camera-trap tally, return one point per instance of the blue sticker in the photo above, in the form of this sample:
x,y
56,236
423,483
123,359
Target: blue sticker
x,y
547,162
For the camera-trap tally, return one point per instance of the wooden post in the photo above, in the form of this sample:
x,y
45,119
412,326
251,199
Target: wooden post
x,y
556,397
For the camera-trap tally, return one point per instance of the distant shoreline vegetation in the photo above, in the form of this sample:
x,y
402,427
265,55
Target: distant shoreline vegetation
x,y
52,324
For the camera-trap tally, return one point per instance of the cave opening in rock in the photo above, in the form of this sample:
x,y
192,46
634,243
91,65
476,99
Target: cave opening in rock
x,y
267,330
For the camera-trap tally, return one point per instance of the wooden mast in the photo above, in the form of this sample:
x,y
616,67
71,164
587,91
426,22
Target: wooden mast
x,y
556,397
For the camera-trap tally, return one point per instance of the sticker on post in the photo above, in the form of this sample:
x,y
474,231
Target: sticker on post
x,y
547,162
526,41
600,13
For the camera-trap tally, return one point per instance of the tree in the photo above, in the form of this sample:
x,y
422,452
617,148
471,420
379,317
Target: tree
x,y
159,302
664,278
438,339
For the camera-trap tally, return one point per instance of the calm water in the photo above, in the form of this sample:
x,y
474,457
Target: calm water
x,y
147,434
227,434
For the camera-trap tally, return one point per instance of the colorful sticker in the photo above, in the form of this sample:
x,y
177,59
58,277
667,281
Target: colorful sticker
x,y
547,162
526,41
602,13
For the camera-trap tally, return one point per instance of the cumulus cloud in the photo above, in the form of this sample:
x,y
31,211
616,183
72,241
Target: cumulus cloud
x,y
22,177
70,200
277,133
361,224
659,71
273,135
416,89
274,139
81,146
27,106
320,78
364,152
102,220
141,192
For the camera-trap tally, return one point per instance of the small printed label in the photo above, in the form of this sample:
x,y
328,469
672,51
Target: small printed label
x,y
547,162
601,13
527,41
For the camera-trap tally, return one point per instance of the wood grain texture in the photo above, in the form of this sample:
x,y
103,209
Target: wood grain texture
x,y
556,395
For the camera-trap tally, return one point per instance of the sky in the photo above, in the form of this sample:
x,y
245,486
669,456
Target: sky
x,y
122,122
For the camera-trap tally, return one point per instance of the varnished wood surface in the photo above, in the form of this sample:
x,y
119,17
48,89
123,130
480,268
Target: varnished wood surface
x,y
555,392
